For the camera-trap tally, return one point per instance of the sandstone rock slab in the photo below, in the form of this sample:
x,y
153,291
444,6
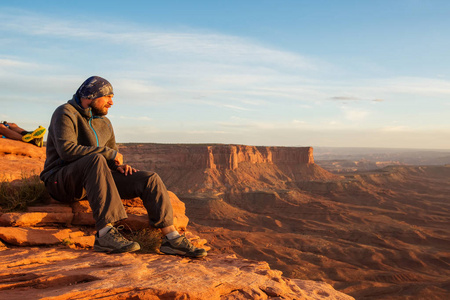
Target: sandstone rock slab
x,y
35,218
37,273
44,236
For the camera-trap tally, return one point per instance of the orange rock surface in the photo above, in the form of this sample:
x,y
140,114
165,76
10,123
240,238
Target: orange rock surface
x,y
18,159
44,236
58,273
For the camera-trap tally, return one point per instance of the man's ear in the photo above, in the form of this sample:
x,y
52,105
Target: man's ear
x,y
85,102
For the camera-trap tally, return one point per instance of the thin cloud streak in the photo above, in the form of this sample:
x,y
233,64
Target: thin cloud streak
x,y
345,98
8,63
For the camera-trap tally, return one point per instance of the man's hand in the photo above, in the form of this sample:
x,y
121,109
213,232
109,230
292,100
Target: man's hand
x,y
119,159
126,169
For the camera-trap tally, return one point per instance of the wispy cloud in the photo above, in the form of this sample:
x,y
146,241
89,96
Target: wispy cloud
x,y
208,46
234,107
7,63
345,98
151,65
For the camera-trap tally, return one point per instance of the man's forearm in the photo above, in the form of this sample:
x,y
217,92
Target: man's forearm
x,y
69,151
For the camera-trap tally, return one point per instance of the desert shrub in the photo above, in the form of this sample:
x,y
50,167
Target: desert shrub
x,y
66,242
18,195
149,239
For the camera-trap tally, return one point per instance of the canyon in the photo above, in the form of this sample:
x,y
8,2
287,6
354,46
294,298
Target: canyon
x,y
378,234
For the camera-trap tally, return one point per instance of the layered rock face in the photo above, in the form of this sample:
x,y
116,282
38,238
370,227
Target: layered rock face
x,y
222,157
219,168
228,157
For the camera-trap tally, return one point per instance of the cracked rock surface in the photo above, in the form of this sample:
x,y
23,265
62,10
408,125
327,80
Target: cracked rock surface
x,y
55,273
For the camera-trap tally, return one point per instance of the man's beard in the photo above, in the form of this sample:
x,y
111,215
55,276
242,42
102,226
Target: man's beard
x,y
98,111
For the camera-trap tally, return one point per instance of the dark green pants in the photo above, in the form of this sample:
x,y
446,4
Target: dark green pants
x,y
90,177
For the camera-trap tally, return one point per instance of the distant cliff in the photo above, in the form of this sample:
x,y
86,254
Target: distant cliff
x,y
194,168
229,157
216,156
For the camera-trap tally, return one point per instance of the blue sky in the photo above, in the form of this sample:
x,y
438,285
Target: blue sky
x,y
288,73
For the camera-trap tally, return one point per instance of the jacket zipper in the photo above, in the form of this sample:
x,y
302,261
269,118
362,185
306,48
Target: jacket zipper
x,y
95,133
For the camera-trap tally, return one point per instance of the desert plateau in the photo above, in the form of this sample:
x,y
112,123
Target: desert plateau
x,y
377,234
332,230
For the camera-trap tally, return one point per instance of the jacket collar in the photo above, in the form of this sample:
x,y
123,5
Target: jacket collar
x,y
75,102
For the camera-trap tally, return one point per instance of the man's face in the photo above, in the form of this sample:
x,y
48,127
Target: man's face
x,y
101,105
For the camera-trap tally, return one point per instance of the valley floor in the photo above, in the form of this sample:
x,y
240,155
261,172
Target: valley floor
x,y
374,235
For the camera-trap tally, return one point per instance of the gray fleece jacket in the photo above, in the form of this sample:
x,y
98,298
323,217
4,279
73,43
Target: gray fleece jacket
x,y
73,133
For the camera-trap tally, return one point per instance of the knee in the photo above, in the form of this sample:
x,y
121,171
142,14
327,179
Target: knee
x,y
159,182
3,129
155,177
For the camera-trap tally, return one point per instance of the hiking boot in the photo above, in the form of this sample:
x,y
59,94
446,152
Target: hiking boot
x,y
36,134
38,142
181,246
114,242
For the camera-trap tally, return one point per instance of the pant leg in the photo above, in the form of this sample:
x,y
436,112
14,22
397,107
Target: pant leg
x,y
151,189
89,176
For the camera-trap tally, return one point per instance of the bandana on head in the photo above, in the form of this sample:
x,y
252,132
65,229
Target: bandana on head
x,y
95,87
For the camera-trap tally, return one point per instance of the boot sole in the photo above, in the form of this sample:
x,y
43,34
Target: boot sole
x,y
130,248
171,251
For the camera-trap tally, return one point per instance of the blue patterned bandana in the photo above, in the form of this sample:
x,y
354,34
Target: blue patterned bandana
x,y
95,87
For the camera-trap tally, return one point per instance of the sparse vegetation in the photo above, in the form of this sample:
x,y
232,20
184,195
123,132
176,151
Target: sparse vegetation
x,y
19,194
149,239
66,242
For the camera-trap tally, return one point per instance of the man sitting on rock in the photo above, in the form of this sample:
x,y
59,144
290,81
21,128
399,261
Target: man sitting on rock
x,y
14,132
83,161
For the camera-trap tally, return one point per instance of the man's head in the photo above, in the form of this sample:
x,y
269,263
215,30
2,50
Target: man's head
x,y
97,93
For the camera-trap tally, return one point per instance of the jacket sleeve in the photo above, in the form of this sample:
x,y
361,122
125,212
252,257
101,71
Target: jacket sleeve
x,y
65,131
111,143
